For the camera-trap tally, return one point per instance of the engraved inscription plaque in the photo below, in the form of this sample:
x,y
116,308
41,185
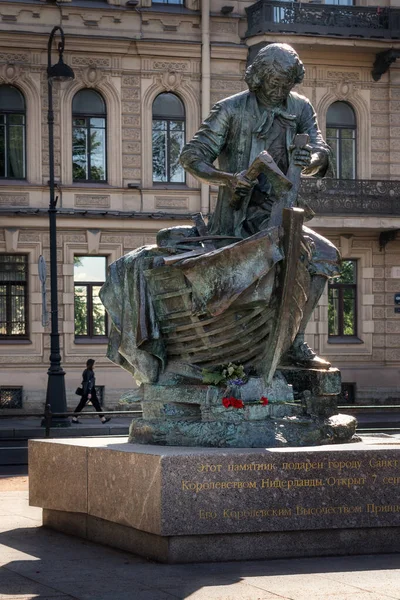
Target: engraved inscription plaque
x,y
277,491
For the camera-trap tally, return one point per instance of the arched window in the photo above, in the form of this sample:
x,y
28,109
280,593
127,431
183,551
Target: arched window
x,y
89,137
12,133
168,138
341,132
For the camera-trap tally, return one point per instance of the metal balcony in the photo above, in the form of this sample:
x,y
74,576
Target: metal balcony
x,y
323,19
364,197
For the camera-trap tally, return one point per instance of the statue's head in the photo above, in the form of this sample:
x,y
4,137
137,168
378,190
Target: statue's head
x,y
275,71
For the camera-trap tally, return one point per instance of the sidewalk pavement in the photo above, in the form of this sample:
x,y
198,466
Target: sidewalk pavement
x,y
47,565
30,427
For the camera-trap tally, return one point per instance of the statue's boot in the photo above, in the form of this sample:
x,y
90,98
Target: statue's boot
x,y
300,353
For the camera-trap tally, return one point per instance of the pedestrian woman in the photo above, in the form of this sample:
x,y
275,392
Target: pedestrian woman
x,y
89,392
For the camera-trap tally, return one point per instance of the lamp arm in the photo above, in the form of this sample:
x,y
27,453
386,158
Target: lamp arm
x,y
50,43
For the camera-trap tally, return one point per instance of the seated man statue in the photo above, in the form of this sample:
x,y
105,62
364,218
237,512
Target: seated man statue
x,y
266,117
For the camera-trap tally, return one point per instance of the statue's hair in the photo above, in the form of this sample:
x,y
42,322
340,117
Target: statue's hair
x,y
273,59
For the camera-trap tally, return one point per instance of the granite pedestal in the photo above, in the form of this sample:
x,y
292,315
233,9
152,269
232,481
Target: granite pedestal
x,y
197,504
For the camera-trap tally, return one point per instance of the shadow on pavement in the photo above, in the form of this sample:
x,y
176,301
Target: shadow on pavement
x,y
56,565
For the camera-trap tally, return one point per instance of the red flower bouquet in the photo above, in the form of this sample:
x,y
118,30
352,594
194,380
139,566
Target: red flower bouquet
x,y
232,402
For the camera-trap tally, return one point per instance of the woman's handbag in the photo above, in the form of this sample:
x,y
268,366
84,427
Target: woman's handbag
x,y
79,391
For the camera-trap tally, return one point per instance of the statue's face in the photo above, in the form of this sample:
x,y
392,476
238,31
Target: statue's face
x,y
276,89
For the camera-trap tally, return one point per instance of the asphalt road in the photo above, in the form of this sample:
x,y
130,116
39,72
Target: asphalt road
x,y
7,471
13,452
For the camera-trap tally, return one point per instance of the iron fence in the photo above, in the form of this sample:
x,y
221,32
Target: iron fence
x,y
351,196
323,19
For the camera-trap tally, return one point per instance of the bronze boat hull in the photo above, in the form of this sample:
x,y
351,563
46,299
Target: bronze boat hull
x,y
255,326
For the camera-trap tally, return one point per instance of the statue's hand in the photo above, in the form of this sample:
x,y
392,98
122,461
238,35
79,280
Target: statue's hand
x,y
301,156
319,162
241,187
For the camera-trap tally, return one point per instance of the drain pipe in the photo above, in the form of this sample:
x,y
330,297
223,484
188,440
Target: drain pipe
x,y
205,87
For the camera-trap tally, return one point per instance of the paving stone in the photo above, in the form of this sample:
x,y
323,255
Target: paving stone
x,y
52,566
13,584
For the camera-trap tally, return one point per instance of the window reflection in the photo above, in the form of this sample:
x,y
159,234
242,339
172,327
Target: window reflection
x,y
342,301
89,137
12,133
168,138
90,314
341,137
13,295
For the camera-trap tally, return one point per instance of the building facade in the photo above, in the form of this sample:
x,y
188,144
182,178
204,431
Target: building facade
x,y
146,72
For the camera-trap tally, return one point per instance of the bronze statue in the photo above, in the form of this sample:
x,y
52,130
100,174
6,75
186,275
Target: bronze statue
x,y
266,117
210,320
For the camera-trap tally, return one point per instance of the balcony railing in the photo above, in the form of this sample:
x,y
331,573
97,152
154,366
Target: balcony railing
x,y
323,19
351,196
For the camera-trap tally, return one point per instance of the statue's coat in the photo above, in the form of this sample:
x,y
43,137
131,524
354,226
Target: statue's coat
x,y
235,132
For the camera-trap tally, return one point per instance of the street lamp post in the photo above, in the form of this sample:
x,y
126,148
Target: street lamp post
x,y
55,396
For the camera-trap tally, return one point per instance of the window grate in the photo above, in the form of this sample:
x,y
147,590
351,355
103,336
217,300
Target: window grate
x,y
11,397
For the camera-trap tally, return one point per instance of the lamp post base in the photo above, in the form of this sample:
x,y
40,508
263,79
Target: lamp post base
x,y
56,398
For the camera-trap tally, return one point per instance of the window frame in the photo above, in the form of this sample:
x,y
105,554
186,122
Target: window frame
x,y
339,128
25,284
334,285
87,116
90,337
7,113
168,120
